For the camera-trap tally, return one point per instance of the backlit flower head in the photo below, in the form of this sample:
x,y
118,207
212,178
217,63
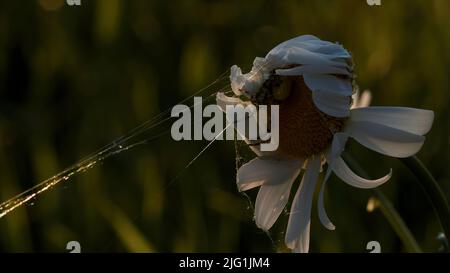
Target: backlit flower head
x,y
312,81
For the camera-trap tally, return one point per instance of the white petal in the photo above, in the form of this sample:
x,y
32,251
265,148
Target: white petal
x,y
337,146
341,169
297,234
332,104
237,80
415,121
312,69
259,64
383,139
361,99
334,51
297,55
249,83
276,55
222,101
308,49
270,202
329,83
324,219
267,171
301,245
330,94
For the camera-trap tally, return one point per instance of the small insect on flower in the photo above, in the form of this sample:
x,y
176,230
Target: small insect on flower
x,y
312,81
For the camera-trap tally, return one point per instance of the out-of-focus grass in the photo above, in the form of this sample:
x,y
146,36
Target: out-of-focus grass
x,y
74,78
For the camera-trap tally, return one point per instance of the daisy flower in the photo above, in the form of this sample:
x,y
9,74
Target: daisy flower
x,y
312,81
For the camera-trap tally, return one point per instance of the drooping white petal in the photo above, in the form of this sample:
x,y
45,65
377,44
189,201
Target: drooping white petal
x,y
337,146
330,94
341,169
297,233
332,104
334,51
306,50
328,83
270,202
415,121
267,170
298,55
237,80
384,139
314,44
301,245
312,69
323,216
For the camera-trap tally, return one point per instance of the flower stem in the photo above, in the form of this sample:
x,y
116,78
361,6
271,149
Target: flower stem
x,y
388,210
432,190
397,222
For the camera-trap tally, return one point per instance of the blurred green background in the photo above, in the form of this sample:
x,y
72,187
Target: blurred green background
x,y
72,79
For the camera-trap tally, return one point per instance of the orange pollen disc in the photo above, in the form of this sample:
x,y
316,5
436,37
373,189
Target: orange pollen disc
x,y
304,130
